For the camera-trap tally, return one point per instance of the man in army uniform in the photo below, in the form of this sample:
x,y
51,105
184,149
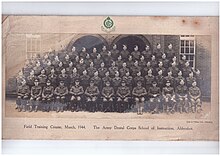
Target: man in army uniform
x,y
88,60
83,53
94,53
38,68
160,67
113,69
108,60
30,79
97,80
142,62
64,77
74,76
73,54
190,80
107,97
42,78
128,79
85,78
139,78
147,68
182,62
104,52
160,79
165,61
92,93
153,62
158,52
179,78
59,68
147,53
36,91
61,93
169,98
53,77
123,70
76,92
66,61
98,61
76,61
135,69
27,68
170,78
130,62
107,78
91,69
116,81
186,70
123,93
182,95
155,95
56,61
102,70
23,93
48,67
47,96
170,52
69,69
174,69
136,54
124,53
114,52
119,62
81,66
149,79
194,95
139,94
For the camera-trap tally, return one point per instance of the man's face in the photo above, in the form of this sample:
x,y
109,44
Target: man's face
x,y
163,56
23,83
91,84
154,84
170,46
136,48
102,65
168,84
124,65
147,48
194,84
91,64
48,63
61,84
158,46
114,46
94,50
60,64
124,47
123,83
42,71
182,82
139,84
74,49
119,58
77,83
36,83
84,50
104,48
107,84
48,83
130,58
107,74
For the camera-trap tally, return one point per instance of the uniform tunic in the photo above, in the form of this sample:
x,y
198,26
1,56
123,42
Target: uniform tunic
x,y
107,91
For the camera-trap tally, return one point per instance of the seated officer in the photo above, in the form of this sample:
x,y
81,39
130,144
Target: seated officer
x,y
47,96
123,95
61,93
107,97
36,91
23,93
154,102
139,94
194,95
136,54
182,95
76,92
169,98
92,93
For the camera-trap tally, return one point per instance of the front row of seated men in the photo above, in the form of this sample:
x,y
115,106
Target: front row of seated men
x,y
76,98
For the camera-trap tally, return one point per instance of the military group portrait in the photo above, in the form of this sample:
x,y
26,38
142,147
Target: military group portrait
x,y
107,79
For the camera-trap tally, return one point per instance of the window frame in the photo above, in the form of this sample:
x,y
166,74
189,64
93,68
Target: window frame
x,y
37,45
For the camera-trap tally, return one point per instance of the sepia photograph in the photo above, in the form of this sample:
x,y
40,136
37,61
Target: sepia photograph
x,y
96,77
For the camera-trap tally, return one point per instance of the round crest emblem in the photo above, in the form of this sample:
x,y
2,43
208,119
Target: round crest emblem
x,y
108,23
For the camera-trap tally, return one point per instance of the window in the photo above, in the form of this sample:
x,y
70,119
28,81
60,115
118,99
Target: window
x,y
187,48
33,45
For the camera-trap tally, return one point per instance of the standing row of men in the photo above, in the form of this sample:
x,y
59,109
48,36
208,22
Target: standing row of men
x,y
110,81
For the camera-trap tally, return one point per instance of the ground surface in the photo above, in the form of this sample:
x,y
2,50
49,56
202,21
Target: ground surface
x,y
10,111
